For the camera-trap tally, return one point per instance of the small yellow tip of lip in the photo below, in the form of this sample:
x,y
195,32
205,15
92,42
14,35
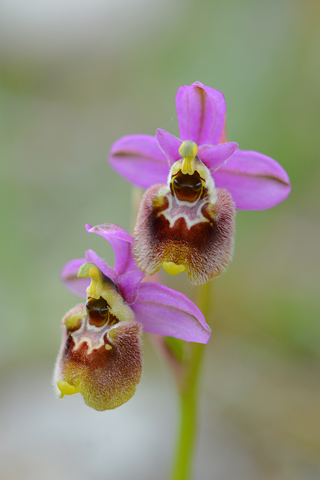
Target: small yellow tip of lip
x,y
172,268
65,388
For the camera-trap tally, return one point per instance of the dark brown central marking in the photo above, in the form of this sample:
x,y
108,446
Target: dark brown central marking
x,y
187,188
98,310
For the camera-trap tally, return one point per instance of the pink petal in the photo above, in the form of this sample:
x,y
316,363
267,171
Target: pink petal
x,y
121,243
70,279
128,284
201,111
214,156
224,138
139,159
166,312
169,145
255,181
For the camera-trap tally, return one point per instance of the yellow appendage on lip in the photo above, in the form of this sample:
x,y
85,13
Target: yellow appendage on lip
x,y
188,151
65,388
72,321
172,268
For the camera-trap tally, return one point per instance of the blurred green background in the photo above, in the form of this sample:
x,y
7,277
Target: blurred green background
x,y
74,77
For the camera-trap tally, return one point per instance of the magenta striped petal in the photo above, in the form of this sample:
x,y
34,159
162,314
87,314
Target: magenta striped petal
x,y
214,156
167,312
140,160
255,181
169,145
201,111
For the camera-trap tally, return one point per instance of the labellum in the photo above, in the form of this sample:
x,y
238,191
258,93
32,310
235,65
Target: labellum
x,y
187,224
100,356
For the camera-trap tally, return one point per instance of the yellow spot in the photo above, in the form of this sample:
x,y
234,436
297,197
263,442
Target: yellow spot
x,y
108,347
172,268
158,201
188,151
65,388
112,334
72,321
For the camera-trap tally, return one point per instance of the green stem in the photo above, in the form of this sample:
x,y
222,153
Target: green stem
x,y
189,396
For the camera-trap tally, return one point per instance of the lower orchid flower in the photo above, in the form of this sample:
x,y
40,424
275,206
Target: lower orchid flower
x,y
186,217
100,355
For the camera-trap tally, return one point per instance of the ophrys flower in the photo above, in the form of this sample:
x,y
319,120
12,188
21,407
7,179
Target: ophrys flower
x,y
186,219
100,355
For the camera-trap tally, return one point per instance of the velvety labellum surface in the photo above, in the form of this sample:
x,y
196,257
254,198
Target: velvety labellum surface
x,y
196,234
100,356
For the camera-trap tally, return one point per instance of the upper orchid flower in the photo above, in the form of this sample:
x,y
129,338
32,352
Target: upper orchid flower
x,y
100,356
186,219
255,181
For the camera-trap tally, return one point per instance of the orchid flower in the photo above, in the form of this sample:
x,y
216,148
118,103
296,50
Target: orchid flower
x,y
100,355
186,218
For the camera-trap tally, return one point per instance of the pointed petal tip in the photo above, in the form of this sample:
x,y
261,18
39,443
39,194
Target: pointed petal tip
x,y
121,243
201,112
169,145
110,230
215,156
255,181
164,311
